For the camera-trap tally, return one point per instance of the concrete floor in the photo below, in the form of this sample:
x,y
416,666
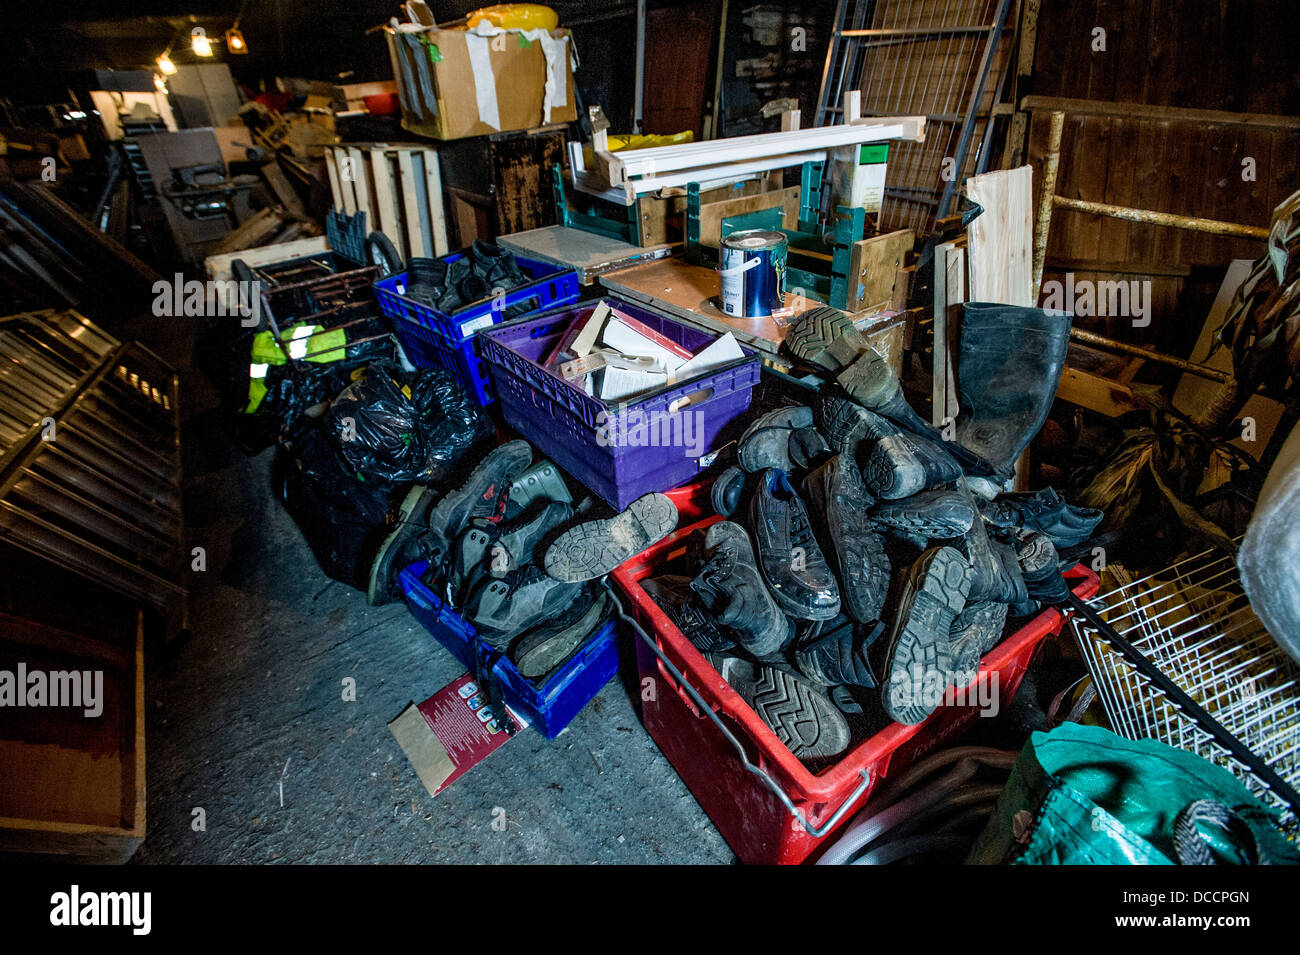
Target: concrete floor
x,y
251,706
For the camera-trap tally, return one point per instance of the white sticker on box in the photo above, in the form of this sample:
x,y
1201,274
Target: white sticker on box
x,y
474,324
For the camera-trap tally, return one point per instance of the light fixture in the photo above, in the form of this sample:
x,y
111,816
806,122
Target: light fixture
x,y
235,41
200,43
160,83
166,65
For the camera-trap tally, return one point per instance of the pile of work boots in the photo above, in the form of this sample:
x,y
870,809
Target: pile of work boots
x,y
479,273
510,552
865,556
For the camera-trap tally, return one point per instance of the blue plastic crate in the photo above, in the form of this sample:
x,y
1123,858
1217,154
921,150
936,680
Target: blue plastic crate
x,y
549,707
432,338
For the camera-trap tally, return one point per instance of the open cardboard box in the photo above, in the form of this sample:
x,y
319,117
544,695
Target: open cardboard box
x,y
481,82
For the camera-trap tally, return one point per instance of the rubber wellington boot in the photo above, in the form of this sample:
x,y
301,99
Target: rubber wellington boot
x,y
1009,364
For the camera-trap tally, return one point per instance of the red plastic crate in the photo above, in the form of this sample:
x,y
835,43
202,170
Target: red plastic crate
x,y
754,820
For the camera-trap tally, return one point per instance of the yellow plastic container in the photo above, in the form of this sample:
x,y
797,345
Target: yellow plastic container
x,y
516,16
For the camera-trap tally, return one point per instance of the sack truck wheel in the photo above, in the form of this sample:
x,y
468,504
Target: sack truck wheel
x,y
381,252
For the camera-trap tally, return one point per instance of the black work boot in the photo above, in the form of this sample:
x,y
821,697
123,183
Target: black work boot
x,y
920,659
402,547
801,716
839,503
496,549
483,497
895,462
594,548
1009,364
940,514
728,491
766,442
675,598
788,554
995,572
808,449
1047,512
840,658
731,589
503,608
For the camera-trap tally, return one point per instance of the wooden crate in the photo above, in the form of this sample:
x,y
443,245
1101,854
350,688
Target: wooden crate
x,y
399,188
501,184
73,787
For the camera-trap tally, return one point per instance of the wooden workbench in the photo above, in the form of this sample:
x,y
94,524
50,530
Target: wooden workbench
x,y
690,292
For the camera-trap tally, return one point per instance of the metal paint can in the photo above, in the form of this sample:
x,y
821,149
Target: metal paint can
x,y
752,269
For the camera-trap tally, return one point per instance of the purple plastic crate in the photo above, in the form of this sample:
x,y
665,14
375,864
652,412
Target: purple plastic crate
x,y
619,449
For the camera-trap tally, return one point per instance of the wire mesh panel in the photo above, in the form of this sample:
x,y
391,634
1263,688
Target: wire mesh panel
x,y
922,57
1193,623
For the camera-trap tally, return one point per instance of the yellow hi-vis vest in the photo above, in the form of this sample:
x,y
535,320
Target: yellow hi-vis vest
x,y
303,342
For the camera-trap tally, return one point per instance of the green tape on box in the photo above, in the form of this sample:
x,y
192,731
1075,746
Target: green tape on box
x,y
873,153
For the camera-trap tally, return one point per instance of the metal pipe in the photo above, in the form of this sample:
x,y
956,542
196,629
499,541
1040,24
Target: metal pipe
x,y
1194,223
638,107
1110,344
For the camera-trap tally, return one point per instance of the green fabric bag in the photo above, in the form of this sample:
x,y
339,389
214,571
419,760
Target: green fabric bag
x,y
1080,795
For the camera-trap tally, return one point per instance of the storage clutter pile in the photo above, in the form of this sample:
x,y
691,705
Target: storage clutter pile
x,y
847,567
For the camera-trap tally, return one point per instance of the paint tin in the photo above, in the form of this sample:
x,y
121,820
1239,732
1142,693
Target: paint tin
x,y
751,265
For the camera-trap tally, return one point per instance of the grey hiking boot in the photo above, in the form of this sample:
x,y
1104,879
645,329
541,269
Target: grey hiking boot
x,y
503,608
496,549
788,554
1041,567
483,496
541,651
871,382
542,481
976,631
801,716
939,514
732,591
895,463
594,548
920,659
766,442
839,658
839,504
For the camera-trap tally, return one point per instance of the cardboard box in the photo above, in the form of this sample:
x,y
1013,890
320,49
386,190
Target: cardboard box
x,y
482,81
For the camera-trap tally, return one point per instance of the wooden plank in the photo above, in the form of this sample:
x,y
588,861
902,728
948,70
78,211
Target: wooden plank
x,y
406,172
712,214
1000,239
336,186
284,191
388,217
361,183
217,267
873,269
437,214
949,293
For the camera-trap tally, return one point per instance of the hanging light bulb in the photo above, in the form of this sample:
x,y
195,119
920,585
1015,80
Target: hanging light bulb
x,y
200,43
166,65
235,41
159,83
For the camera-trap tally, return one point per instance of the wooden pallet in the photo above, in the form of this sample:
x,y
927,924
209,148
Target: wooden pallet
x,y
399,188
